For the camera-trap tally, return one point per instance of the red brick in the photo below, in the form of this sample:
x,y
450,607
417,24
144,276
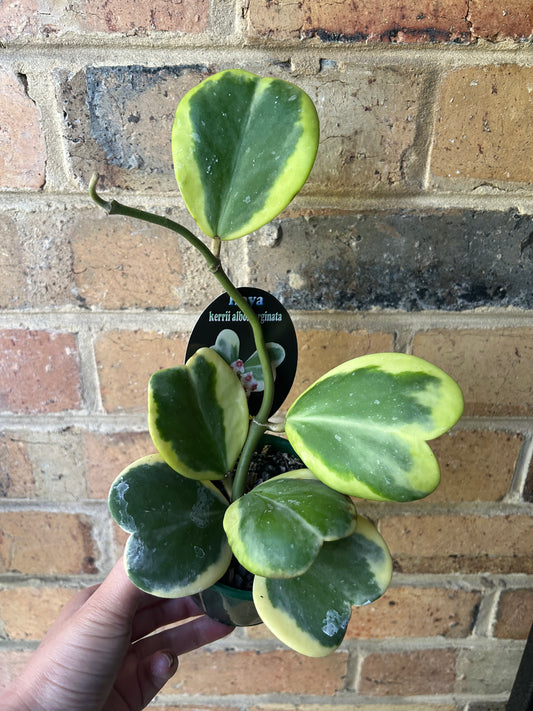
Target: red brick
x,y
407,21
416,612
475,465
16,472
280,672
22,147
461,543
38,371
428,671
127,359
18,18
160,15
515,614
500,19
121,263
108,454
493,367
28,612
41,543
480,108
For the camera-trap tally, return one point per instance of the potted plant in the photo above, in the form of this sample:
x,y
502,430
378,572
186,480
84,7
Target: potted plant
x,y
243,146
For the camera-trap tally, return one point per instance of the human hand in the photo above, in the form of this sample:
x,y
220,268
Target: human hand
x,y
97,655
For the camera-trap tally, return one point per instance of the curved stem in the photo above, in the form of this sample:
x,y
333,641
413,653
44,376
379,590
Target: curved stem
x,y
259,424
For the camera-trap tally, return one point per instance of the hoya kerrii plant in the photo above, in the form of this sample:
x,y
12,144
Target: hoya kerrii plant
x,y
243,146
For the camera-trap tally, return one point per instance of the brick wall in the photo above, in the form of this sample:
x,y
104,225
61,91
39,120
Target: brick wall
x,y
413,234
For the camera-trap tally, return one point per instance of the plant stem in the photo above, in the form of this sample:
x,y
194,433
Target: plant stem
x,y
259,424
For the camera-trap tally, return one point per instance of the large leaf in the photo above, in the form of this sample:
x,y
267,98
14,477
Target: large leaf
x,y
177,545
362,427
278,528
310,613
243,146
198,416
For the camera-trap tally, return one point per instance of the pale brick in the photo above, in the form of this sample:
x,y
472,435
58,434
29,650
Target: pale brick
x,y
475,465
409,673
12,278
280,672
38,371
16,472
461,543
28,612
350,707
22,147
108,454
487,671
480,108
57,464
407,21
118,122
320,351
500,19
122,263
493,367
64,544
515,614
127,359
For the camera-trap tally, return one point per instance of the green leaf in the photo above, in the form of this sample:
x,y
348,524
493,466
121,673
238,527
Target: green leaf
x,y
278,528
177,545
198,416
242,146
310,613
276,353
362,427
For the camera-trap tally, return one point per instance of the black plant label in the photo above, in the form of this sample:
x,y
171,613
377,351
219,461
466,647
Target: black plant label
x,y
224,327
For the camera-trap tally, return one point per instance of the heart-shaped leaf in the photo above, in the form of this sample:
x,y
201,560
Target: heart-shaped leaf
x,y
242,146
198,416
310,613
278,528
177,545
362,427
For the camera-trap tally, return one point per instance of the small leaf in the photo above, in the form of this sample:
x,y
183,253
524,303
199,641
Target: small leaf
x,y
227,345
310,613
278,528
177,545
198,416
362,427
243,146
252,365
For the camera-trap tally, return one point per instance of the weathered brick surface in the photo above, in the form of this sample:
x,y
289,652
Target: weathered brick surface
x,y
108,454
38,371
28,612
515,614
475,465
122,263
407,21
454,260
258,673
500,19
118,122
22,147
127,359
408,612
480,107
350,707
319,351
487,671
64,544
16,472
460,543
18,18
12,662
12,282
493,367
428,671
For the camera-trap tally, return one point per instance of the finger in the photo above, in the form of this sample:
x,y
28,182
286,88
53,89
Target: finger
x,y
183,638
162,612
154,672
115,601
139,680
